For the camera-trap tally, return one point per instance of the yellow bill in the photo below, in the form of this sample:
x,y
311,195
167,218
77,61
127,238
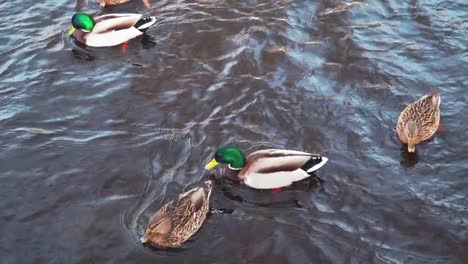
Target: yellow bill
x,y
72,30
213,163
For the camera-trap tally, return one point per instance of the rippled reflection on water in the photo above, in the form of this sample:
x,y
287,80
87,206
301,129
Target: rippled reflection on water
x,y
94,140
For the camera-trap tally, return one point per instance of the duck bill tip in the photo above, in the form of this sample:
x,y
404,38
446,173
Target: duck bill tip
x,y
411,148
144,239
213,163
71,31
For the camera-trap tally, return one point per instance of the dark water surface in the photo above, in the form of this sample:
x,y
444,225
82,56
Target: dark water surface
x,y
93,141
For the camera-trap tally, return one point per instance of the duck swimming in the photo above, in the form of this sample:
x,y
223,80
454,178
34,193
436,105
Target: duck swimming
x,y
105,3
419,121
269,168
108,30
179,219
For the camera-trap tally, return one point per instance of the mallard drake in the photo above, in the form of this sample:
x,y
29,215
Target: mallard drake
x,y
105,3
179,219
109,30
419,120
269,168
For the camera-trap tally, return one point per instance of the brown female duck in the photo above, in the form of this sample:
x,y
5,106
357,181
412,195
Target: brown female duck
x,y
419,121
179,219
105,3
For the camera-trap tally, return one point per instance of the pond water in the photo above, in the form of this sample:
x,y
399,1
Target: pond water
x,y
93,141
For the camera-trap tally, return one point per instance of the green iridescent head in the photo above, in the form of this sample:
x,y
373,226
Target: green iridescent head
x,y
228,155
82,21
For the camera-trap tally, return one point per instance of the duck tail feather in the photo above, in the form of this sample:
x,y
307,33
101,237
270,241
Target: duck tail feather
x,y
208,186
314,163
145,22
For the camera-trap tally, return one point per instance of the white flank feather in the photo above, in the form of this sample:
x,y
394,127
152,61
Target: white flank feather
x,y
275,179
112,38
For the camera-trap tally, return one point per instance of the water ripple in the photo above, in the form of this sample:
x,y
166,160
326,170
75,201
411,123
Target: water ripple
x,y
94,140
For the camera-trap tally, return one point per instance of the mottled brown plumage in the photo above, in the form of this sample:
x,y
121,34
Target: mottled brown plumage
x,y
104,3
179,219
419,121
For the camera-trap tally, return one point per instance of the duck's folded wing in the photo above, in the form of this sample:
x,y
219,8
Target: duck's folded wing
x,y
112,38
195,197
275,179
275,153
274,171
160,223
111,22
273,160
117,15
163,226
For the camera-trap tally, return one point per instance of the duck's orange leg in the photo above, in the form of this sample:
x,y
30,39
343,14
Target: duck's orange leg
x,y
124,46
441,128
277,190
146,3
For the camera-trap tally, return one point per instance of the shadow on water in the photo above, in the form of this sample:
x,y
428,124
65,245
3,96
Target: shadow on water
x,y
82,54
148,41
286,197
178,250
408,159
81,51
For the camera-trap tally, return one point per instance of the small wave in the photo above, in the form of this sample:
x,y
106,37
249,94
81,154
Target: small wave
x,y
35,130
339,9
7,90
99,135
110,198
